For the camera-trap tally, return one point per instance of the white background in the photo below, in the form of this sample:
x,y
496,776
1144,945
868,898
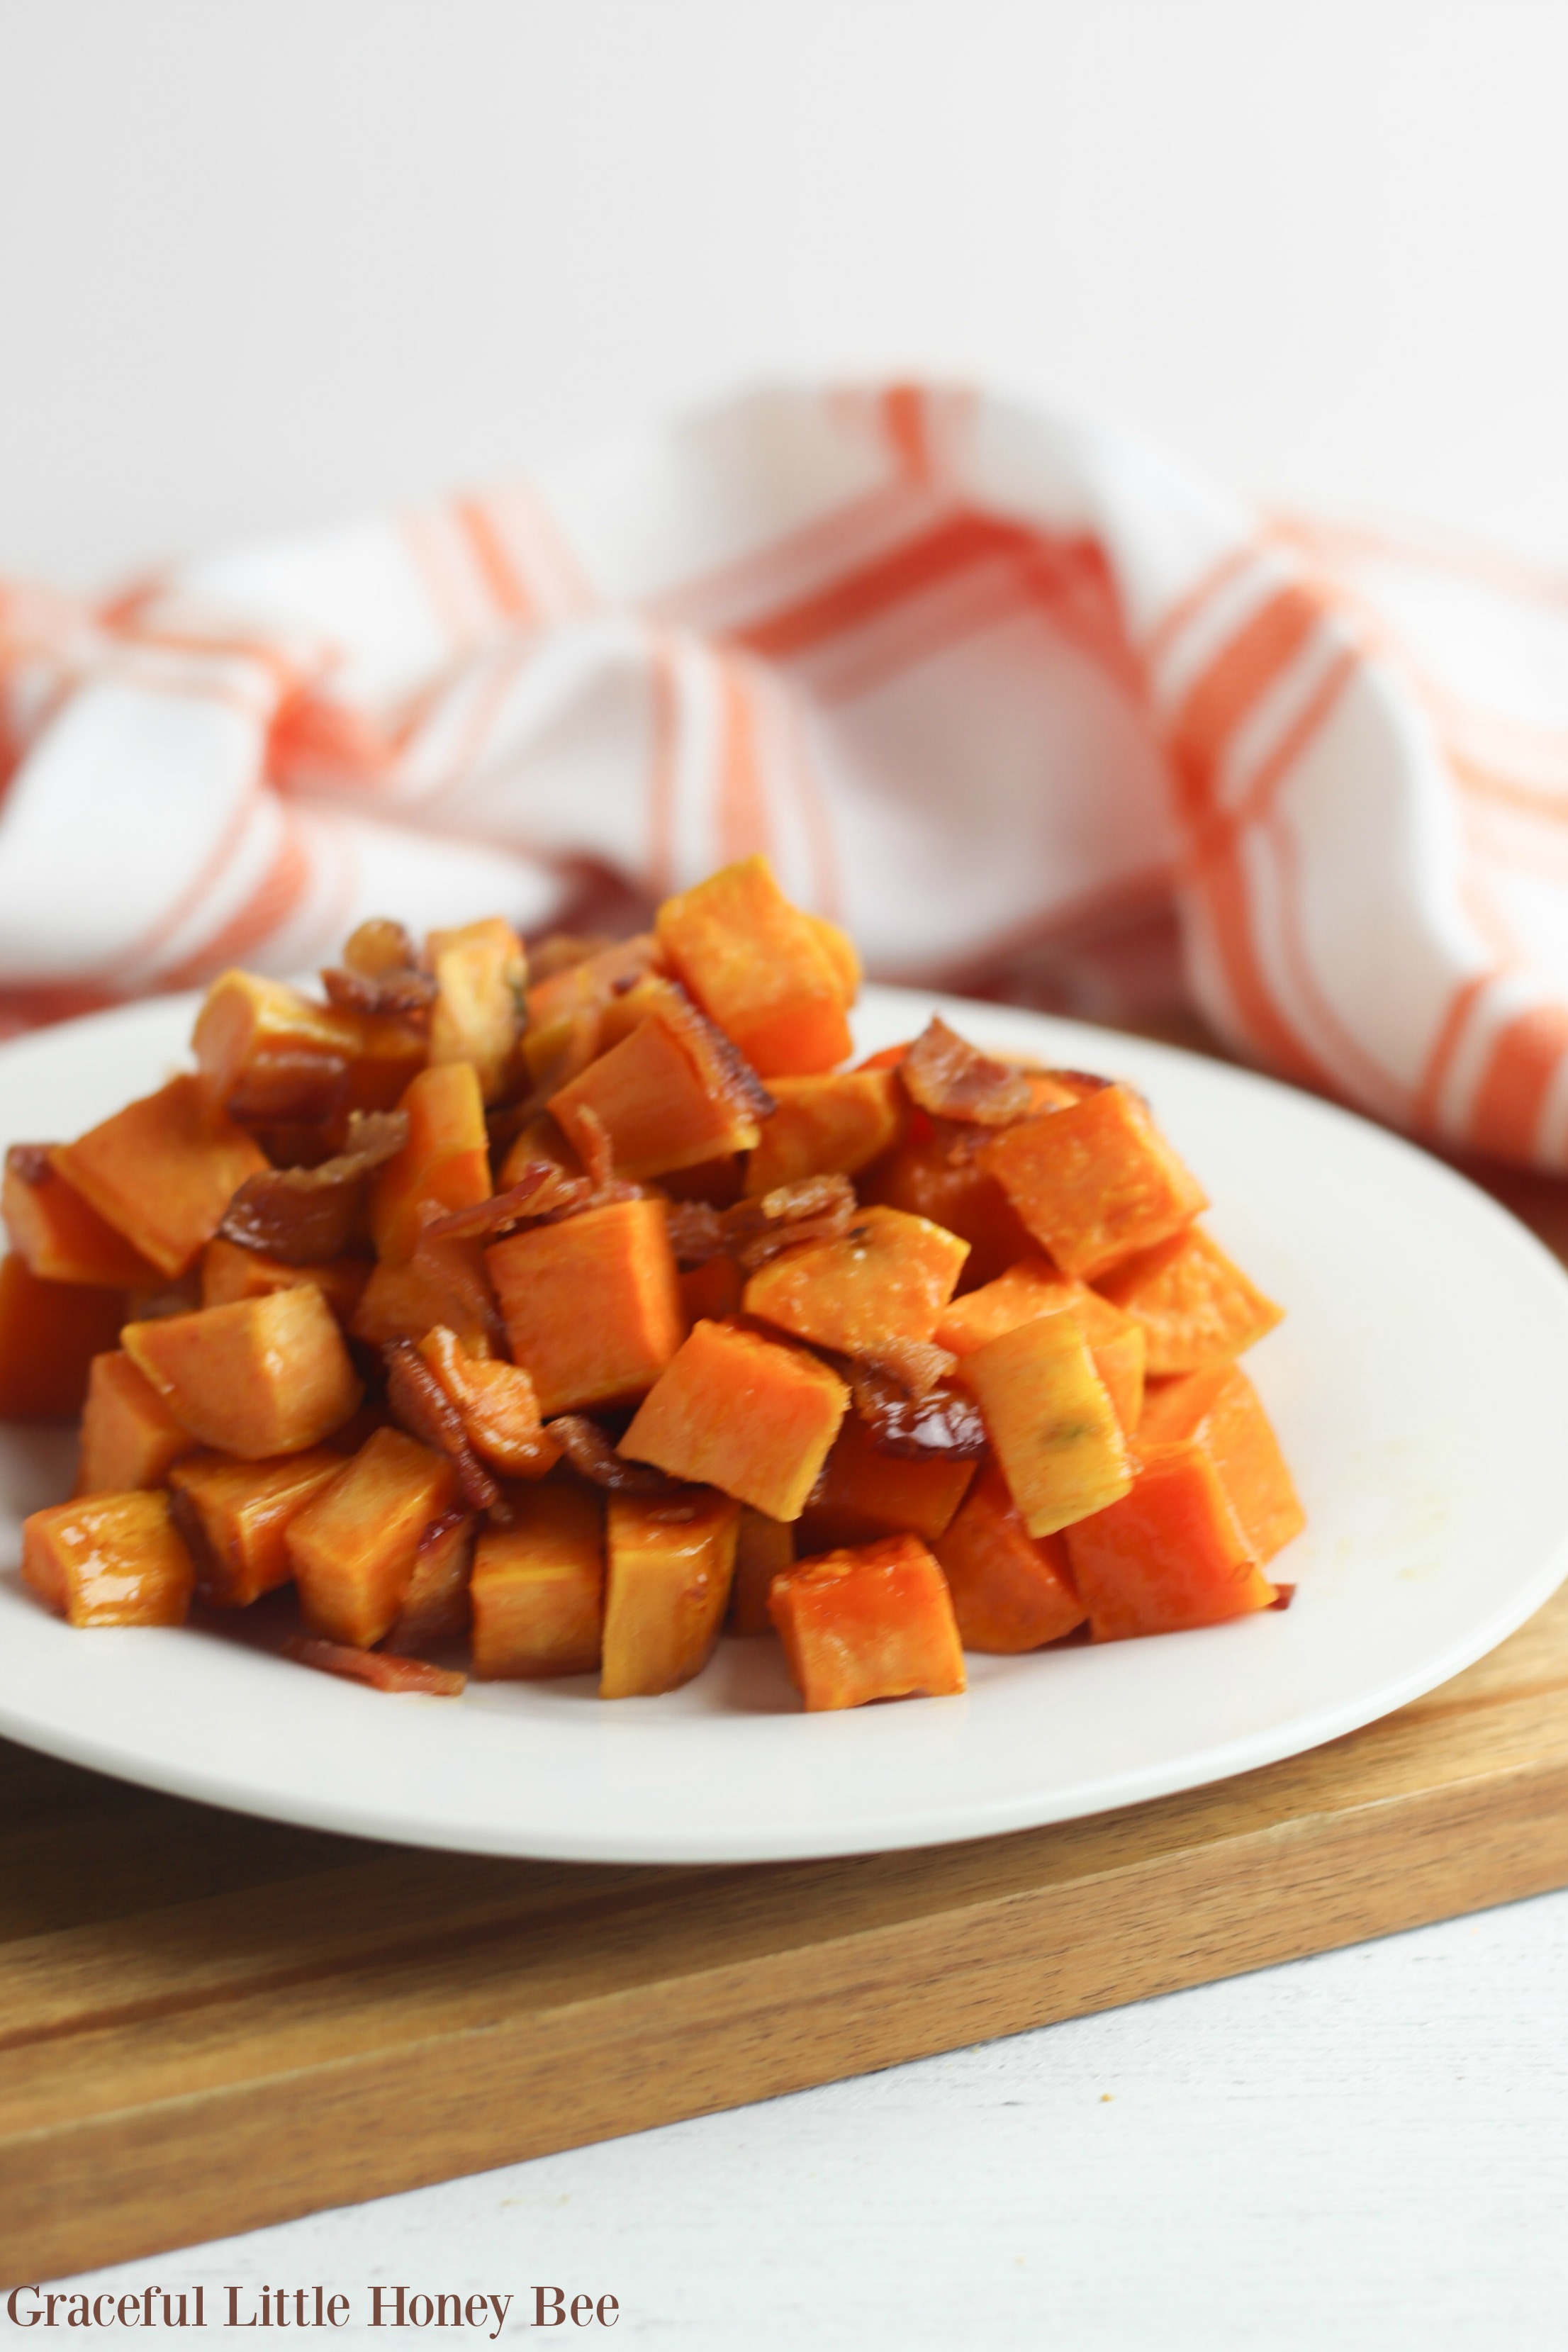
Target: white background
x,y
264,260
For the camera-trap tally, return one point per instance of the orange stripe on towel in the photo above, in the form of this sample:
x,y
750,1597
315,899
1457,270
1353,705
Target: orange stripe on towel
x,y
1524,1060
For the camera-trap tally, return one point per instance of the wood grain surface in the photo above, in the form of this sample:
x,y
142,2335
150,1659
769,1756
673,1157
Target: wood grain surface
x,y
209,2022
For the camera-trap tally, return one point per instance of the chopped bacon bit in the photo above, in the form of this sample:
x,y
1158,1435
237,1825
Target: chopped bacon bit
x,y
419,1404
543,1190
560,950
817,1209
696,1232
455,1267
918,1366
290,1088
28,1162
944,1422
593,1148
401,995
375,1668
306,1215
592,1456
1283,1596
378,947
723,1069
952,1079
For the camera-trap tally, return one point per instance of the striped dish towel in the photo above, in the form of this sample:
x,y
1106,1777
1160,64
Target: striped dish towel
x,y
1026,707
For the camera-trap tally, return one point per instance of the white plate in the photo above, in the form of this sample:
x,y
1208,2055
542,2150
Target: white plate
x,y
1419,1385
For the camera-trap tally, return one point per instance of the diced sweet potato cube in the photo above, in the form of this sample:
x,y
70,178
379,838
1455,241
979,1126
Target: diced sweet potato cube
x,y
259,1377
162,1172
742,1414
444,1165
1011,1590
671,1561
841,952
665,1098
354,1547
1222,1413
480,974
592,1305
1094,1183
129,1436
833,1125
875,1622
229,1273
110,1559
1196,1306
62,1238
864,1494
236,1516
499,1409
404,1302
563,1009
1169,1555
1052,1425
760,968
50,1334
538,1590
932,1177
889,1276
540,1139
268,1053
1034,1288
435,1608
765,1548
712,1290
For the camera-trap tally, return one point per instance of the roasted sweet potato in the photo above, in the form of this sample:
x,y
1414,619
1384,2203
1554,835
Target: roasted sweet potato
x,y
480,973
1011,1590
538,1590
60,1236
888,1276
869,1623
746,1414
1094,1183
591,1306
940,1176
712,1290
1169,1555
672,1094
259,1377
445,1164
1032,1288
355,1545
162,1172
564,1008
50,1334
1222,1413
832,1125
497,1405
129,1436
266,1054
1197,1308
236,1516
435,1607
865,1494
109,1559
1052,1424
229,1273
761,969
765,1548
447,1283
671,1561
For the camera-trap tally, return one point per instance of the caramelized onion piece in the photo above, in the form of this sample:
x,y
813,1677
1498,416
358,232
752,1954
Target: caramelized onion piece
x,y
817,1209
419,1404
592,1456
289,1089
454,1268
374,1667
543,1190
403,995
945,1422
952,1079
696,1232
306,1215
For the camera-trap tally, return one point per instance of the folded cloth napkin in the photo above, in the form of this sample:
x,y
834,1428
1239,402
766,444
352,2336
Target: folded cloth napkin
x,y
1022,704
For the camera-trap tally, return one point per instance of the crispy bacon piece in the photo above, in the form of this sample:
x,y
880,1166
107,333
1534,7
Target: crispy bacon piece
x,y
696,1232
419,1404
952,1079
306,1215
592,1456
723,1069
498,1408
374,1667
543,1190
817,1209
28,1162
917,1366
455,1267
945,1421
289,1089
380,946
1283,1596
593,1147
403,995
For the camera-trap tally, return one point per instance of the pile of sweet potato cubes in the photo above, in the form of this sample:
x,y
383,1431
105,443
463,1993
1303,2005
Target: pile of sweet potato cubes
x,y
586,1310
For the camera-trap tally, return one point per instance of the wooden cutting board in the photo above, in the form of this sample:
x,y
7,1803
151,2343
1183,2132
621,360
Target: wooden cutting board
x,y
209,2022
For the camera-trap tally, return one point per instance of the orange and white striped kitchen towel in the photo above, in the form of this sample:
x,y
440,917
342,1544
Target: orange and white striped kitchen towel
x,y
1014,698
